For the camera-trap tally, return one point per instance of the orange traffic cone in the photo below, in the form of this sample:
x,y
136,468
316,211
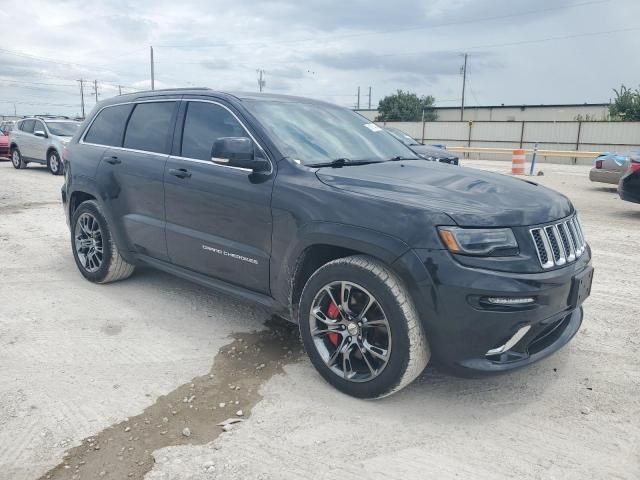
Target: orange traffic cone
x,y
517,162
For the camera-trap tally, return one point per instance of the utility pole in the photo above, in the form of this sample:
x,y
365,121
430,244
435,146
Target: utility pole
x,y
153,81
81,81
358,104
119,89
261,81
464,85
369,98
95,89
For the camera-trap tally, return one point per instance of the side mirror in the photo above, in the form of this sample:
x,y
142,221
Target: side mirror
x,y
40,133
237,152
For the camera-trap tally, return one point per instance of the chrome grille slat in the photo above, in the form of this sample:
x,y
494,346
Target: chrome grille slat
x,y
559,243
570,248
574,236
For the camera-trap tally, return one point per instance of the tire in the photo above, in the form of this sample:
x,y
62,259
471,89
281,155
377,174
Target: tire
x,y
16,159
107,266
54,163
368,372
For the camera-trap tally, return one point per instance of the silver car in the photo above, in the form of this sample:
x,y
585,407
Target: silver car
x,y
609,168
41,140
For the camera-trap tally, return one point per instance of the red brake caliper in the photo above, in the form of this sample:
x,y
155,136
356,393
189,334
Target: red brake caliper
x,y
332,313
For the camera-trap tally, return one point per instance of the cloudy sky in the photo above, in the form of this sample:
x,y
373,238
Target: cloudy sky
x,y
520,51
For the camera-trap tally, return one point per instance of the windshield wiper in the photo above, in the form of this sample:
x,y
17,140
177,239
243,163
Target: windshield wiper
x,y
399,157
341,162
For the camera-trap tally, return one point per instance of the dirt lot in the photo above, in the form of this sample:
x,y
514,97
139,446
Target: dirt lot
x,y
90,376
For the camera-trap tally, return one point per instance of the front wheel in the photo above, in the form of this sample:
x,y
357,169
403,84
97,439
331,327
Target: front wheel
x,y
54,164
94,250
360,328
16,159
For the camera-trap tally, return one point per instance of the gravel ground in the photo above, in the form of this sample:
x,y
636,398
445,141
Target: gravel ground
x,y
76,358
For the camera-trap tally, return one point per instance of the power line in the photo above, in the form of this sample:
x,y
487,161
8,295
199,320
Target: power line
x,y
37,83
405,29
38,103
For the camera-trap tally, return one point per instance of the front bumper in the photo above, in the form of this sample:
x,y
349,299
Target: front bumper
x,y
467,335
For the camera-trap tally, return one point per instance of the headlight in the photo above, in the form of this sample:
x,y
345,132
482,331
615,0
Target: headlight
x,y
476,241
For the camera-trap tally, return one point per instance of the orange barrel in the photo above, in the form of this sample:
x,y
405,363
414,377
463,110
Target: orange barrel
x,y
517,162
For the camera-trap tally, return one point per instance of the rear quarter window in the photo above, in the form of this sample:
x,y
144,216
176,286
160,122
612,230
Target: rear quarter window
x,y
150,126
108,126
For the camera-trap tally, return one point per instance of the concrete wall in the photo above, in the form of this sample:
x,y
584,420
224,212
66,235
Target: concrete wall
x,y
583,136
551,113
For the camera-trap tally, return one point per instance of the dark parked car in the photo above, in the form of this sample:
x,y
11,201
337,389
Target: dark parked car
x,y
629,186
385,261
428,152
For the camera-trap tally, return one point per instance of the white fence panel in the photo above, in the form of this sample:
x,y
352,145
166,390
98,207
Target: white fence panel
x,y
608,133
557,133
594,136
496,132
445,132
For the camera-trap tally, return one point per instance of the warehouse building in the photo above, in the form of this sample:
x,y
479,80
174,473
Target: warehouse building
x,y
519,113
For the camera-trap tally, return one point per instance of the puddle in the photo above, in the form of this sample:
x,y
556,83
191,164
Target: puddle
x,y
123,451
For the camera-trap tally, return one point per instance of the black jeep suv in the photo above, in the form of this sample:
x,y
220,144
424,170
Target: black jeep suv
x,y
383,259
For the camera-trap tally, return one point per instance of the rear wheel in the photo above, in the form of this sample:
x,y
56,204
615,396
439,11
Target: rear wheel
x,y
94,250
54,164
360,328
16,159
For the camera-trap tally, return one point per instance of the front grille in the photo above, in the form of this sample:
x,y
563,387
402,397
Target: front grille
x,y
559,243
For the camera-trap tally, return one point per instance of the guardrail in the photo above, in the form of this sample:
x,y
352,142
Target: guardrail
x,y
541,153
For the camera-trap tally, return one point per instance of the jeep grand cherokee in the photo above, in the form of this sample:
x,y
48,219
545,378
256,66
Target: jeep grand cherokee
x,y
384,260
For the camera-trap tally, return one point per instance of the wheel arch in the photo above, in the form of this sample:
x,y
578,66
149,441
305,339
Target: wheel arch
x,y
53,149
320,243
83,193
78,197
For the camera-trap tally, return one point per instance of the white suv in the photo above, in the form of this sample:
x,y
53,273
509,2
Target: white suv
x,y
41,140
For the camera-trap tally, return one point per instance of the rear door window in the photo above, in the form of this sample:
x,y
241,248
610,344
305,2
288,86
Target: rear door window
x,y
150,126
108,127
27,126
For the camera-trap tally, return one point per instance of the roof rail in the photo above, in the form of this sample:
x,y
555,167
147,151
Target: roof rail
x,y
178,89
63,117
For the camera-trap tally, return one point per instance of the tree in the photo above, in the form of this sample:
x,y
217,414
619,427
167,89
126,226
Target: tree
x,y
626,106
406,107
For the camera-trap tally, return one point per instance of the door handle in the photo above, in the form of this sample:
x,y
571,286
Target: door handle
x,y
180,172
113,160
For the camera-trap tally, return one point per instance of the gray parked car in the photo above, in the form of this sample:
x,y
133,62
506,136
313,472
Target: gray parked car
x,y
609,168
41,140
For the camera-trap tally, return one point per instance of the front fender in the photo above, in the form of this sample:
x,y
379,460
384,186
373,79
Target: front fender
x,y
382,246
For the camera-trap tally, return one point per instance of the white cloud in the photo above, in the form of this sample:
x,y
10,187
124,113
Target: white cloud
x,y
320,48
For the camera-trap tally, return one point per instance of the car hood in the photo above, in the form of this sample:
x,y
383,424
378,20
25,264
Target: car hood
x,y
429,151
469,196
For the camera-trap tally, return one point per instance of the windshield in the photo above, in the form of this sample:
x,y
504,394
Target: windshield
x,y
316,133
63,129
403,137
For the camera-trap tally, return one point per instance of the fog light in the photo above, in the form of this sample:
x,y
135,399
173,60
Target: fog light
x,y
510,300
